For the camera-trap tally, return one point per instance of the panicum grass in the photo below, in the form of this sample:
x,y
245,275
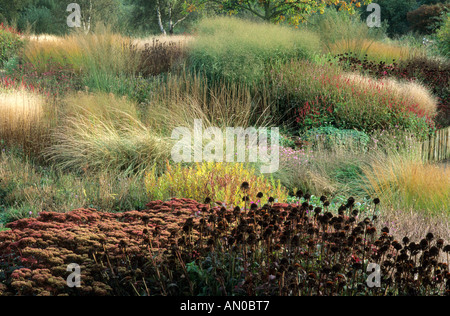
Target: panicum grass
x,y
238,50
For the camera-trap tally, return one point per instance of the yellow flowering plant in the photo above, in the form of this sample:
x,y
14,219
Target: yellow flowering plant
x,y
218,181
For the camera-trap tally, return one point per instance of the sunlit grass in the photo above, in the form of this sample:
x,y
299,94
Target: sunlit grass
x,y
410,184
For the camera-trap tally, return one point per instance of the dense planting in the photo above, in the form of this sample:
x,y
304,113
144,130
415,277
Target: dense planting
x,y
434,74
183,247
88,135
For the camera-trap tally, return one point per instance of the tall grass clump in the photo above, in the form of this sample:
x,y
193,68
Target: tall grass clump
x,y
97,56
182,98
237,50
101,132
339,27
26,118
406,182
341,33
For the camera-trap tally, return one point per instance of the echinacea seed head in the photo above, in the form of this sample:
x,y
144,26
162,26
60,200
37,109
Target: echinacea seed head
x,y
245,186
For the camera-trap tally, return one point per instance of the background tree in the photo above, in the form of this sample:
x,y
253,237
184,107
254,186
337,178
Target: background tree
x,y
427,18
98,11
10,10
394,12
164,16
293,11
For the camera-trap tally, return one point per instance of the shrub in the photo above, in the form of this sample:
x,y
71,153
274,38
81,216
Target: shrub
x,y
424,19
237,50
167,250
10,43
217,181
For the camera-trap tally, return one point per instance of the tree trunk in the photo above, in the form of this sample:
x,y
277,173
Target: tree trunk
x,y
158,12
171,26
87,21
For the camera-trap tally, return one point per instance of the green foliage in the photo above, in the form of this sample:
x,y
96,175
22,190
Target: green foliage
x,y
237,50
10,44
329,136
443,37
295,12
41,20
393,12
11,65
10,9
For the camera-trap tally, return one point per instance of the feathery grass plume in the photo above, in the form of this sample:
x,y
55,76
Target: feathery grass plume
x,y
26,119
413,94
